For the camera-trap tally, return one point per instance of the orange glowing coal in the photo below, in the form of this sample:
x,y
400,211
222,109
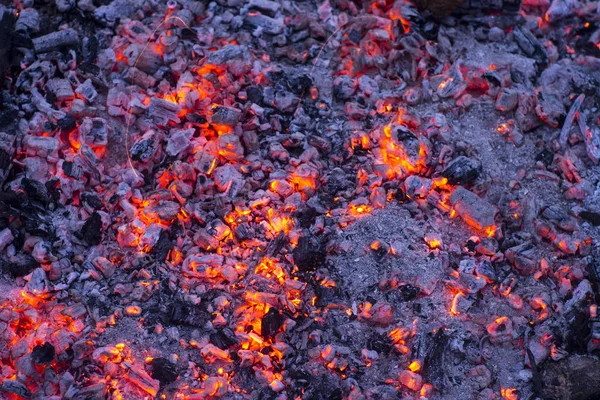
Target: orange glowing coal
x,y
455,303
509,394
433,242
359,209
415,366
279,222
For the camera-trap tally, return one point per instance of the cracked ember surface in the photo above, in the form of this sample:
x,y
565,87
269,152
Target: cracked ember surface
x,y
299,200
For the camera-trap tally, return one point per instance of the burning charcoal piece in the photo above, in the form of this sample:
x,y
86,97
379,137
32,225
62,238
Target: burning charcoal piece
x,y
475,211
525,114
462,170
224,339
507,100
43,354
309,254
91,231
486,270
87,91
271,323
236,58
15,387
162,111
164,371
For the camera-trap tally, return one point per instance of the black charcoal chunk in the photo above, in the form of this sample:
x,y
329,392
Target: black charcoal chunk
x,y
92,229
462,170
163,370
43,353
182,314
271,323
162,247
227,116
255,94
92,200
35,190
15,387
309,254
224,339
591,216
408,291
20,265
67,123
56,40
546,156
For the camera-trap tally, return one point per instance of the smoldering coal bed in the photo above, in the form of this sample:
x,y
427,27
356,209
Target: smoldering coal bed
x,y
299,199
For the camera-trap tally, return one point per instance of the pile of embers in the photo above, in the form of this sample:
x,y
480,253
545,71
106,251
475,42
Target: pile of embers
x,y
291,200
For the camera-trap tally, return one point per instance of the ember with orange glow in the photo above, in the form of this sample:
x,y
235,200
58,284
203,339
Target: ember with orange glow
x,y
318,199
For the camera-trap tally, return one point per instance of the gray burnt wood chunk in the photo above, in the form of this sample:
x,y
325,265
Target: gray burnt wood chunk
x,y
475,211
55,40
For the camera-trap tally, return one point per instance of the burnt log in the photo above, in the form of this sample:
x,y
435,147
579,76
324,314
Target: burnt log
x,y
573,378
